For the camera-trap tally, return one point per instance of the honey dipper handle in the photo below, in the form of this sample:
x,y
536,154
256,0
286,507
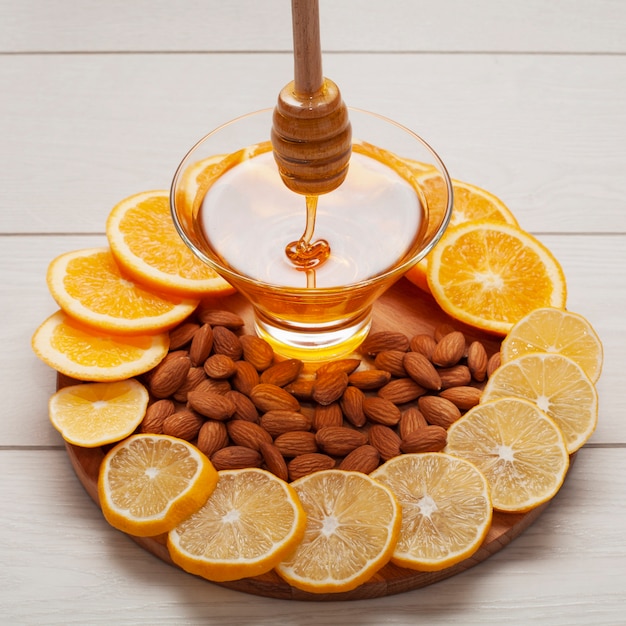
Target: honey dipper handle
x,y
307,50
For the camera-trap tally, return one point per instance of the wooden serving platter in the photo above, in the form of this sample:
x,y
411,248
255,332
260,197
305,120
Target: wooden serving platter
x,y
403,308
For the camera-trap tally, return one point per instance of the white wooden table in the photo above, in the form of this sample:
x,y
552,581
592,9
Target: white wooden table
x,y
101,100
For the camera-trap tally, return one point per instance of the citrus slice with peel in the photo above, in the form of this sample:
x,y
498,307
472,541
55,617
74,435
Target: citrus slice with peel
x,y
86,354
446,508
555,384
519,449
491,274
470,203
559,332
353,523
250,522
149,483
96,414
89,286
145,243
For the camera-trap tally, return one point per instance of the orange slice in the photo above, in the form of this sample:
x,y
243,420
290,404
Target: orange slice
x,y
557,385
150,483
146,244
470,203
558,332
353,523
89,285
491,274
95,414
86,354
519,449
446,508
250,522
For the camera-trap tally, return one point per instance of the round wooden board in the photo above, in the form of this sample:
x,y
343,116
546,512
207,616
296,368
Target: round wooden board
x,y
405,308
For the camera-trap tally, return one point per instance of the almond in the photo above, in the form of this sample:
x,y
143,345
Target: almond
x,y
267,397
220,317
212,385
195,376
155,415
235,457
182,334
438,411
464,397
339,440
449,350
401,390
257,351
308,463
245,377
183,424
219,366
391,360
494,363
274,460
381,411
340,365
384,340
477,361
201,345
212,437
296,442
329,386
244,407
363,459
352,406
282,373
421,370
411,420
427,439
226,342
327,415
369,379
442,330
454,376
424,344
279,422
168,376
302,389
210,404
385,440
247,434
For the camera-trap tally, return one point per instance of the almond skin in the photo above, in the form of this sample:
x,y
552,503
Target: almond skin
x,y
421,370
363,459
329,386
477,361
282,373
245,377
279,421
236,457
247,434
257,351
369,379
201,345
219,366
438,411
424,344
182,334
244,407
463,397
352,406
449,350
401,390
411,420
169,375
308,463
385,440
327,415
341,365
295,443
267,397
494,363
155,416
195,376
339,440
381,411
392,361
183,424
454,376
212,437
220,317
212,405
274,460
384,340
427,439
226,342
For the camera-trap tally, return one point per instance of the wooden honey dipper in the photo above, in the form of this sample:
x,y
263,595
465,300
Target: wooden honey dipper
x,y
311,132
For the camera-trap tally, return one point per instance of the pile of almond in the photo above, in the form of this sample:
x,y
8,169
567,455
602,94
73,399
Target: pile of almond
x,y
228,393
